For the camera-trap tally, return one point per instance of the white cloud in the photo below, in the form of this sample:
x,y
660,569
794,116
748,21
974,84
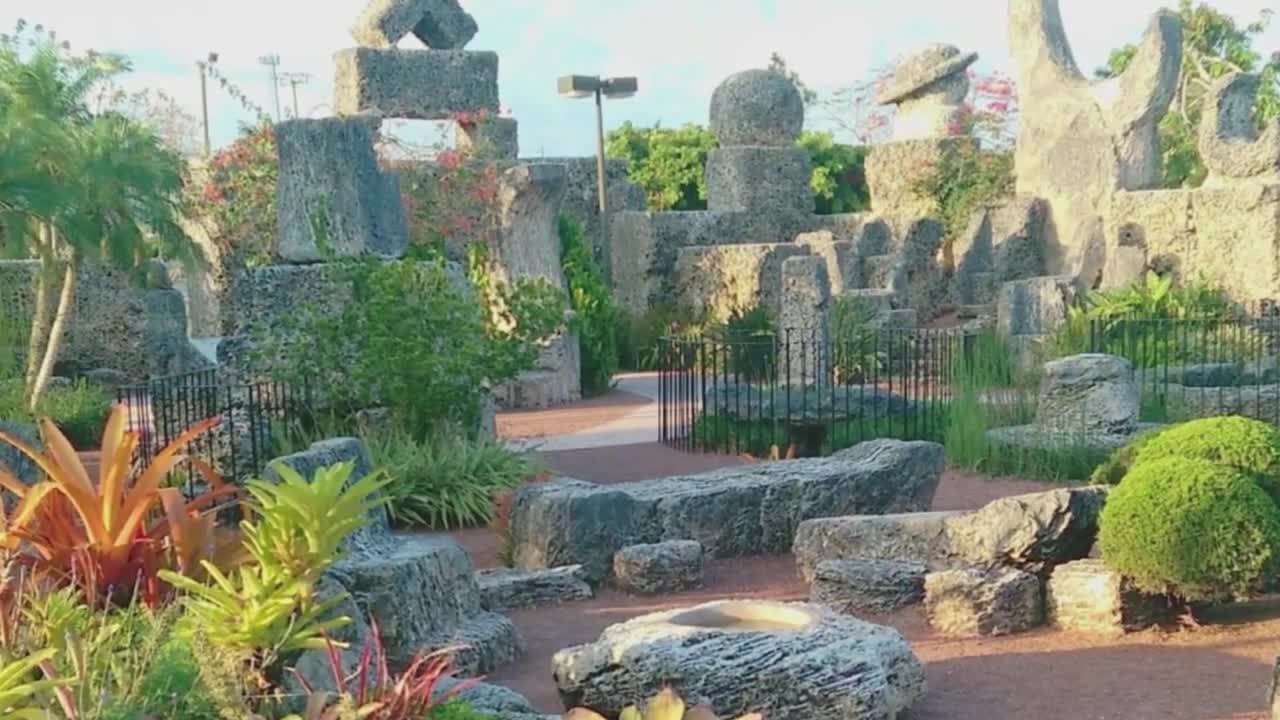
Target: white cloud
x,y
680,49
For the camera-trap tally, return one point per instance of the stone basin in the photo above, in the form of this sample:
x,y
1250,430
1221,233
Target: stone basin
x,y
789,661
741,616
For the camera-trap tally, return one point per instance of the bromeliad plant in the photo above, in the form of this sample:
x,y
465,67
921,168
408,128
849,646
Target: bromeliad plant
x,y
375,693
268,609
111,537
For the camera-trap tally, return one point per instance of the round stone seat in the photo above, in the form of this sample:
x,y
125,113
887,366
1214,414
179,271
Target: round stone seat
x,y
789,661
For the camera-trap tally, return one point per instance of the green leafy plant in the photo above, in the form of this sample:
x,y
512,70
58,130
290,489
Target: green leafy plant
x,y
76,184
1122,460
415,338
853,339
1192,528
964,179
268,608
596,317
446,480
22,698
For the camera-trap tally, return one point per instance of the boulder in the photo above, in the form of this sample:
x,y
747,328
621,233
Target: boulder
x,y
1031,532
1089,394
1086,596
867,586
655,568
968,602
912,537
733,512
506,589
786,661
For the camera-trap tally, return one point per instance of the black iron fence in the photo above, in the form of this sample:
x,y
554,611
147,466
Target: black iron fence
x,y
1227,364
250,417
797,394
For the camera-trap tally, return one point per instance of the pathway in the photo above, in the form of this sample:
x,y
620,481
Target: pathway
x,y
637,425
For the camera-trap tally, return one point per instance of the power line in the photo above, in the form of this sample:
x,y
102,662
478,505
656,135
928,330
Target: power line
x,y
294,79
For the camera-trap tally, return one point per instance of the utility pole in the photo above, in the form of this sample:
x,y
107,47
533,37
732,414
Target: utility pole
x,y
294,80
203,65
273,62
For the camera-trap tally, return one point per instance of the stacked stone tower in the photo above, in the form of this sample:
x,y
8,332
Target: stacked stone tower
x,y
337,198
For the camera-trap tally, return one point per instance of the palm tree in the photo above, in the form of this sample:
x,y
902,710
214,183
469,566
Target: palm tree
x,y
74,185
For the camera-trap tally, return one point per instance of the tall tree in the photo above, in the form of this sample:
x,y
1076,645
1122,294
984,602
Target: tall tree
x,y
76,185
1213,45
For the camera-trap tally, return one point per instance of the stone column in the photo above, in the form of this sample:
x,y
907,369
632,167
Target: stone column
x,y
805,321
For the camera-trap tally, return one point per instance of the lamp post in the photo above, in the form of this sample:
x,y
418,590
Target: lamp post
x,y
204,97
584,86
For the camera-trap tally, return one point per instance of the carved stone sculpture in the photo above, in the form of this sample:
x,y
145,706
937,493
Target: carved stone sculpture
x,y
1079,143
1230,143
929,88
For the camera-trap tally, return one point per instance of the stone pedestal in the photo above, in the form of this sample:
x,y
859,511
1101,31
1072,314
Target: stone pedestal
x,y
805,321
334,201
415,84
759,179
1085,596
895,169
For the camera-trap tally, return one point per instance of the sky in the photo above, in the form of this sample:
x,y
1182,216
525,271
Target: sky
x,y
679,49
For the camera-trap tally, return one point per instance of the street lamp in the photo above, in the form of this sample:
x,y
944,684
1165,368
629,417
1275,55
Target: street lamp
x,y
584,86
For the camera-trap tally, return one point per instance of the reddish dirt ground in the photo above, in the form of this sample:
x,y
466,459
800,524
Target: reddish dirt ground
x,y
1219,672
613,405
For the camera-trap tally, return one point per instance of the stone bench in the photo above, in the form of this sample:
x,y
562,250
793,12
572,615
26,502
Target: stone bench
x,y
733,512
867,586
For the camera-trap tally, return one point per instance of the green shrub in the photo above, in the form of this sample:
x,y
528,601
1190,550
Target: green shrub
x,y
415,338
79,409
1121,461
446,481
596,317
1190,527
1250,446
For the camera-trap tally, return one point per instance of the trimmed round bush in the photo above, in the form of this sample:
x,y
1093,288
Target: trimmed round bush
x,y
1191,527
1118,464
1251,446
